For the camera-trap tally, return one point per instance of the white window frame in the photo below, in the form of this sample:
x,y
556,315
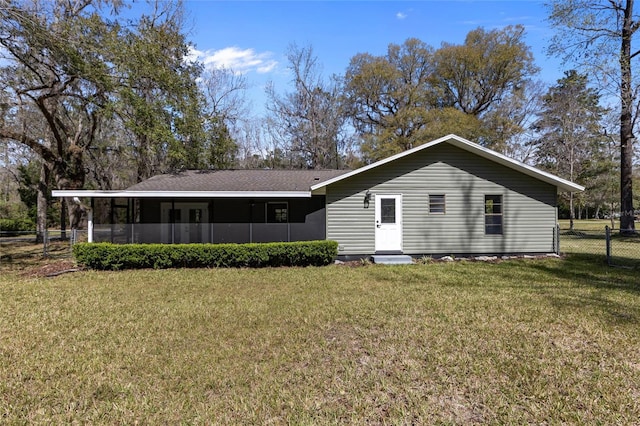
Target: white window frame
x,y
486,215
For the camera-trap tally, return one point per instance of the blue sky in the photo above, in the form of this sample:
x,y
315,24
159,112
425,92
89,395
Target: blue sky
x,y
252,37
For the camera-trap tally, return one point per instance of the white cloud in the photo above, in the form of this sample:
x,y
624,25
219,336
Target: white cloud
x,y
236,59
401,15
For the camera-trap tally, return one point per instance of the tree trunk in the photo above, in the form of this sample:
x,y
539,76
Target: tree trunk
x,y
627,138
71,175
572,213
42,204
76,212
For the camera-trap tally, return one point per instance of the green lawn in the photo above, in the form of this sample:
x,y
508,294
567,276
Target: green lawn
x,y
588,224
528,341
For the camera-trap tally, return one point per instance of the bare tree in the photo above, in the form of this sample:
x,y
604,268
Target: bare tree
x,y
225,110
310,120
251,150
225,95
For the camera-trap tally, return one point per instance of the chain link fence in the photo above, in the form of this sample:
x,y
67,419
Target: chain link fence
x,y
622,250
614,248
19,248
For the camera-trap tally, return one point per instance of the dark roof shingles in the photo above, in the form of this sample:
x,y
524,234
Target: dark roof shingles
x,y
237,180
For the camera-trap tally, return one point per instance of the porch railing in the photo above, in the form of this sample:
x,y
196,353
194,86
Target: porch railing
x,y
177,233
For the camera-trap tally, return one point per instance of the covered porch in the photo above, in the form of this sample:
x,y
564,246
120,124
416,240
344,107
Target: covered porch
x,y
188,217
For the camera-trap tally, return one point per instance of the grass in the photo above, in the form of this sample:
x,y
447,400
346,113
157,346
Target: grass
x,y
542,341
587,224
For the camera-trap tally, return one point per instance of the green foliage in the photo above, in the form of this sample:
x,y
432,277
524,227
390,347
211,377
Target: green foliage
x,y
476,75
12,210
221,148
415,93
11,227
28,176
107,256
28,180
100,94
159,101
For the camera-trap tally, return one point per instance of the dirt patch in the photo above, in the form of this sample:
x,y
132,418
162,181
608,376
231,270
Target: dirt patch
x,y
51,269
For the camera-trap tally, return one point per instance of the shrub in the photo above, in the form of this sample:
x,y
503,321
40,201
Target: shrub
x,y
110,256
11,227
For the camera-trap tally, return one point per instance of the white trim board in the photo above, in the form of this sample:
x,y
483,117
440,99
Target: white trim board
x,y
179,194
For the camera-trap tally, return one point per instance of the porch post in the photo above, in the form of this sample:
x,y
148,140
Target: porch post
x,y
111,217
90,221
129,224
173,221
251,206
90,225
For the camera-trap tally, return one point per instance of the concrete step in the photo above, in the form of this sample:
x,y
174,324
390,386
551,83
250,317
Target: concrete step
x,y
392,259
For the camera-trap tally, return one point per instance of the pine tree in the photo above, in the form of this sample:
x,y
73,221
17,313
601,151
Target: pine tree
x,y
569,130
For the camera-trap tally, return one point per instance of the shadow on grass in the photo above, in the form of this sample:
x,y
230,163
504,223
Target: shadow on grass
x,y
592,270
583,235
21,254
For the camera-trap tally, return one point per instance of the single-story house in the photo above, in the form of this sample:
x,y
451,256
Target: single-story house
x,y
447,196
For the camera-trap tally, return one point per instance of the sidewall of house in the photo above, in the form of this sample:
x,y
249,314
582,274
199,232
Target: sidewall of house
x,y
529,206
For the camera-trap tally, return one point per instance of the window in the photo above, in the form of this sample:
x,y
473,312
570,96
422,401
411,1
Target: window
x,y
277,212
388,210
436,204
493,214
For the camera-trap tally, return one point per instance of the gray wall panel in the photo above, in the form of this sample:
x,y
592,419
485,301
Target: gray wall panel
x,y
529,205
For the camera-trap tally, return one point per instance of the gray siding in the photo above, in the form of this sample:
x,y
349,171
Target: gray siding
x,y
529,206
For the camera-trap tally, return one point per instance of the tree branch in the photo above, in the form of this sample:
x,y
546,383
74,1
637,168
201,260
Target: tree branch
x,y
29,142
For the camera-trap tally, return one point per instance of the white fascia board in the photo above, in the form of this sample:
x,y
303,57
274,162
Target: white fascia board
x,y
180,194
562,185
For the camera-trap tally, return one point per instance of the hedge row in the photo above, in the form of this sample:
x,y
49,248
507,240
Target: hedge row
x,y
16,226
109,256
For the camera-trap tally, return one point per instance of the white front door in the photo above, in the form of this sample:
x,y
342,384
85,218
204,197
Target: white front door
x,y
388,233
185,223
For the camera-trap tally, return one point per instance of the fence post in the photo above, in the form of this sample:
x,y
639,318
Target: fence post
x,y
557,238
74,239
607,234
45,242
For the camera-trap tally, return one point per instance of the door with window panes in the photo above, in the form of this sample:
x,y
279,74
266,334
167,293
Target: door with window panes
x,y
388,216
185,223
